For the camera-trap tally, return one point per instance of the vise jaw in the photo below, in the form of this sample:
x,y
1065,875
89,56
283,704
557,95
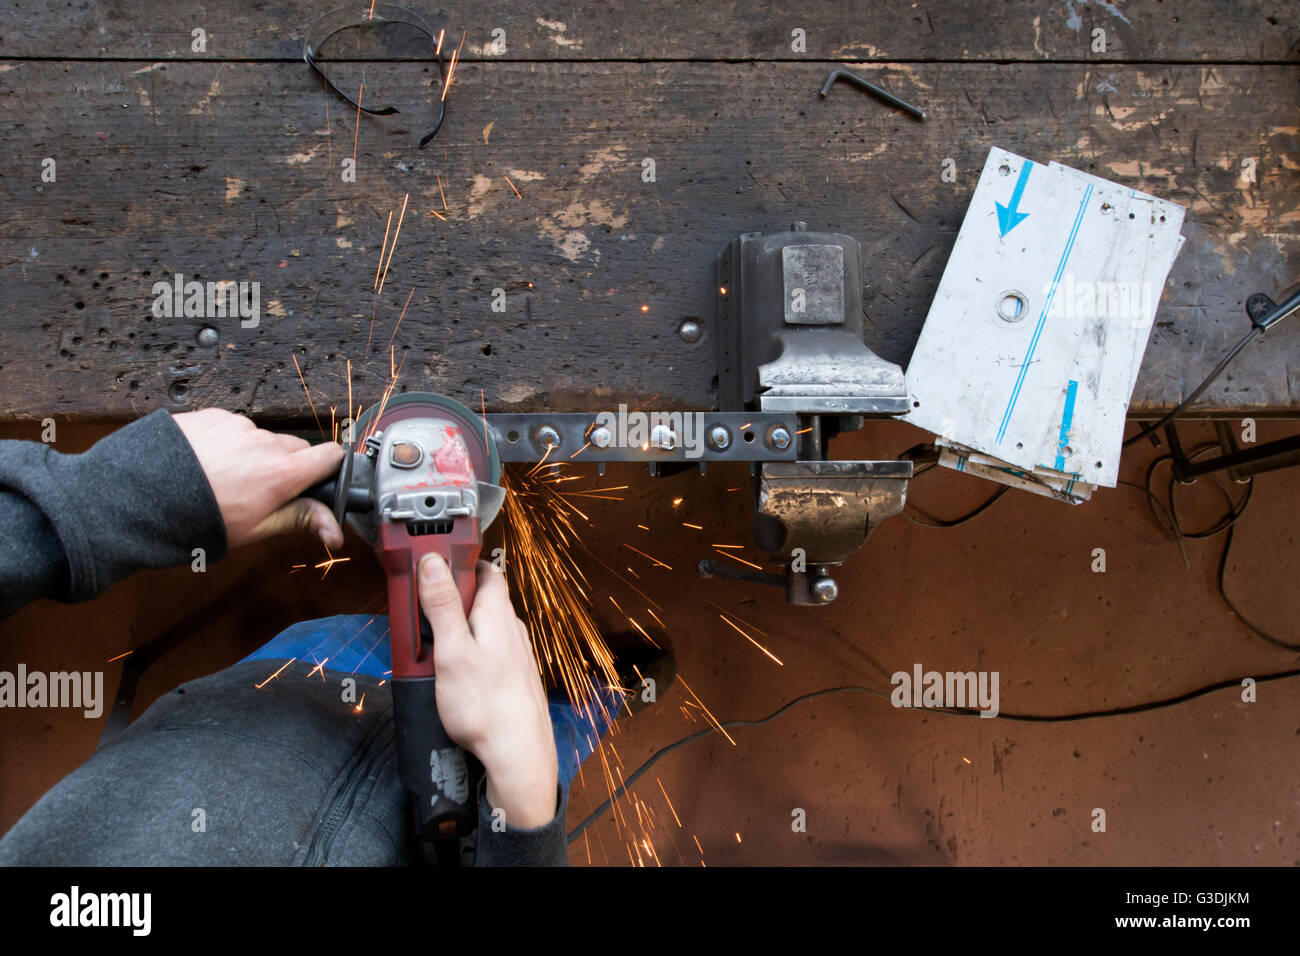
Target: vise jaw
x,y
790,339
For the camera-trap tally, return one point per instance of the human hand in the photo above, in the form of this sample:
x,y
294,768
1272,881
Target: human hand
x,y
257,476
490,695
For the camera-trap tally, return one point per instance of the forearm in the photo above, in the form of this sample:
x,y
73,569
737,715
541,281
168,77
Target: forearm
x,y
75,524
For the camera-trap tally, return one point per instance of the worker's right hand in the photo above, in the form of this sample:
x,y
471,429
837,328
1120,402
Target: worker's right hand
x,y
490,695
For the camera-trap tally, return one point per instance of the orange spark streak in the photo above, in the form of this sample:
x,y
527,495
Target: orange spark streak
x,y
355,133
438,48
707,713
399,321
438,214
670,803
439,175
579,451
737,546
349,414
308,394
276,674
752,641
647,557
804,431
451,70
687,524
728,554
512,185
382,249
119,657
393,248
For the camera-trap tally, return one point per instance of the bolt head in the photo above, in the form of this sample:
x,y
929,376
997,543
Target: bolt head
x,y
548,437
779,437
208,337
825,590
690,331
719,437
661,436
601,437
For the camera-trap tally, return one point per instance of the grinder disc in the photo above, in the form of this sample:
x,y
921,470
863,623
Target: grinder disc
x,y
482,449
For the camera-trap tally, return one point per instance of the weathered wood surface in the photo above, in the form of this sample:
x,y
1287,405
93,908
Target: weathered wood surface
x,y
230,171
1219,31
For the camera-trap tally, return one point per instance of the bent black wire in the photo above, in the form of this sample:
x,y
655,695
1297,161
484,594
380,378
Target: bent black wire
x,y
338,20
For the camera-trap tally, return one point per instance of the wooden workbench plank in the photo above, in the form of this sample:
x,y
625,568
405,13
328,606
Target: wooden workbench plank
x,y
223,171
881,30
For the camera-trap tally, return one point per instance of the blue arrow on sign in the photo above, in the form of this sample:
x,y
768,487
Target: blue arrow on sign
x,y
1008,216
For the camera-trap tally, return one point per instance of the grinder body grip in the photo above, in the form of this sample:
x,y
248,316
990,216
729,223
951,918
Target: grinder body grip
x,y
442,778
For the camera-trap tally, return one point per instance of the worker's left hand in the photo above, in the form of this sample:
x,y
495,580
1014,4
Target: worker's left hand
x,y
257,476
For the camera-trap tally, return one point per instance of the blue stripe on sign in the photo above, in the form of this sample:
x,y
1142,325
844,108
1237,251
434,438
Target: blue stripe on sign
x,y
1042,317
1067,416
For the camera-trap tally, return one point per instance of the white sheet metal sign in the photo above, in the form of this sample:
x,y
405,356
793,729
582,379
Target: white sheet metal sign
x,y
1035,337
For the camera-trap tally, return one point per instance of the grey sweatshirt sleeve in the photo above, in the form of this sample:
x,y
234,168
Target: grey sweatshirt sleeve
x,y
544,846
75,524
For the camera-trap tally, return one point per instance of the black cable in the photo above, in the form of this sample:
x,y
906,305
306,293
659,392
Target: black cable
x,y
1223,593
929,456
1196,392
950,711
1280,311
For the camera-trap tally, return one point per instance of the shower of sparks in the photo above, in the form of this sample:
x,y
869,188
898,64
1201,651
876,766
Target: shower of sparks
x,y
540,535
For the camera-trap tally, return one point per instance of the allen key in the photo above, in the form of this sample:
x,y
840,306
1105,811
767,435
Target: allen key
x,y
876,91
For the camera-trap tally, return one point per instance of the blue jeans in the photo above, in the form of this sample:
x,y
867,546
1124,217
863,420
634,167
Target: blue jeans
x,y
358,643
